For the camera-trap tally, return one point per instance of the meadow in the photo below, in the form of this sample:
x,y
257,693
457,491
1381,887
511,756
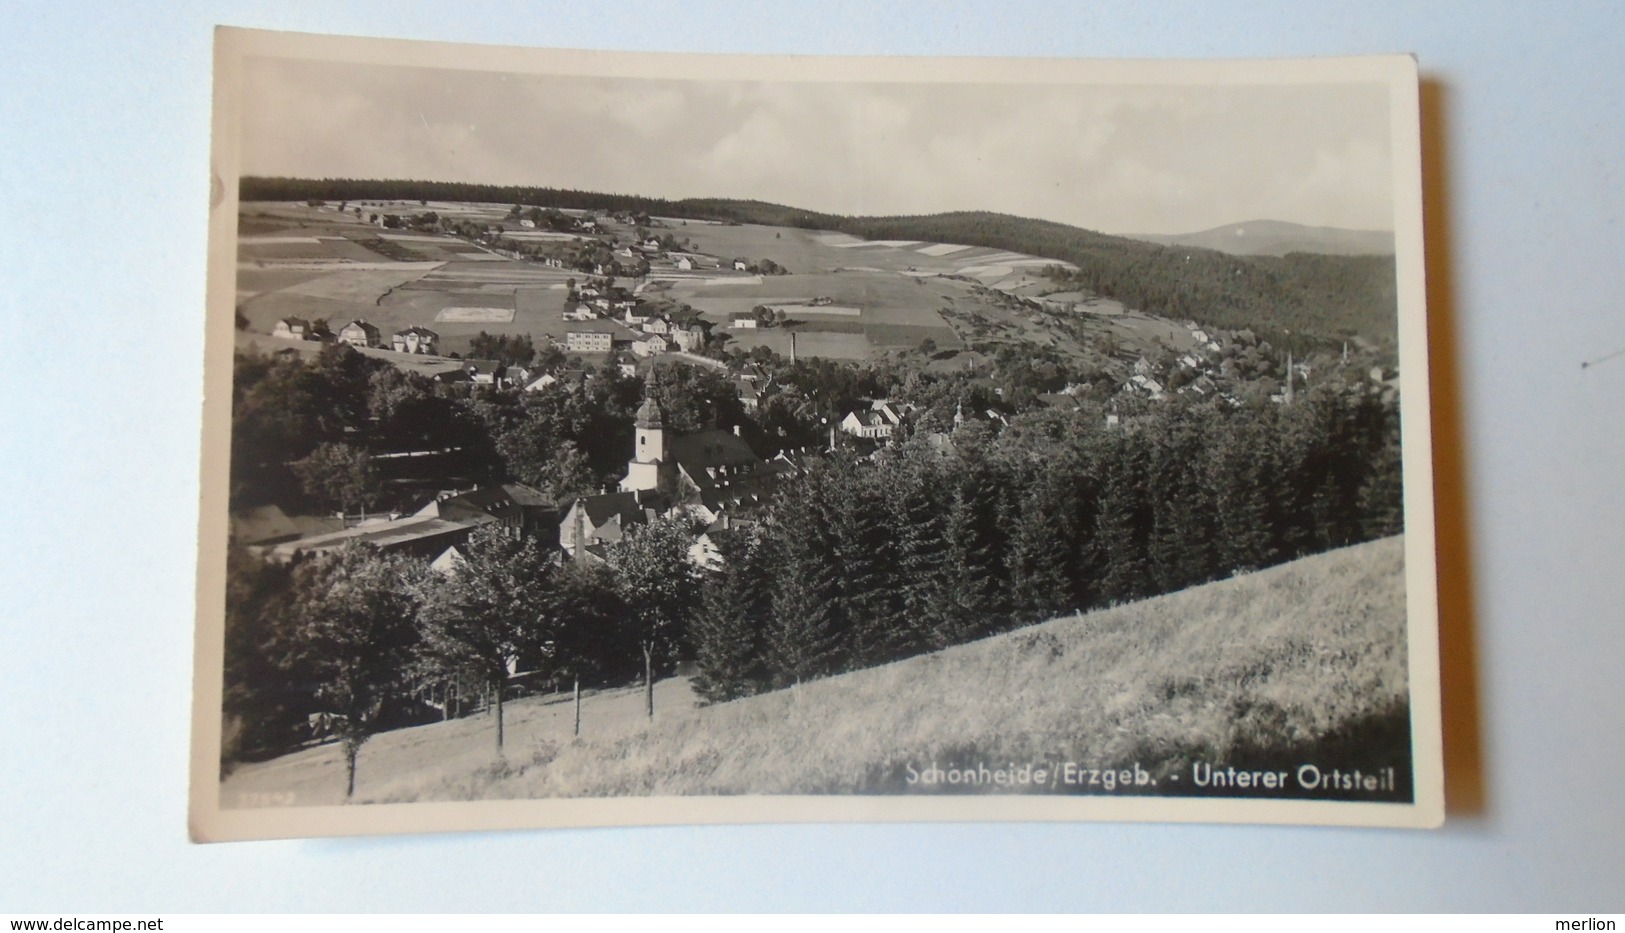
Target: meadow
x,y
1301,663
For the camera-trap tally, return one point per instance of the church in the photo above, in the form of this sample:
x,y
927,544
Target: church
x,y
711,472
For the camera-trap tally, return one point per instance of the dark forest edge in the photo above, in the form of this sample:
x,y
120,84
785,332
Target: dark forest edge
x,y
1315,297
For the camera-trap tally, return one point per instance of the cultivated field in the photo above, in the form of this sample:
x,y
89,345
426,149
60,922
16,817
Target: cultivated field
x,y
1301,663
884,296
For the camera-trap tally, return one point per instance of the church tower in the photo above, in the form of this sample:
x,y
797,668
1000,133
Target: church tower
x,y
648,442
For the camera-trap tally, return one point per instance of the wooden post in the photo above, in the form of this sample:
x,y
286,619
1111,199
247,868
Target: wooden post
x,y
649,677
578,704
499,718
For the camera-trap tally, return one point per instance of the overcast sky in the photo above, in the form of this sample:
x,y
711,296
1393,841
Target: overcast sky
x,y
1115,159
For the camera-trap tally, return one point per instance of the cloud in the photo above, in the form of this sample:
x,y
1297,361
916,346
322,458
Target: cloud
x,y
1123,159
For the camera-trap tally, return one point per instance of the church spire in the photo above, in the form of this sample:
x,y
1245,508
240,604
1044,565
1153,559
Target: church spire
x,y
649,411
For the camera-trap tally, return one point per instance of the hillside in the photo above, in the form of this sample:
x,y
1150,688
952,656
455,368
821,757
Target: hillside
x,y
1324,298
1277,238
1304,662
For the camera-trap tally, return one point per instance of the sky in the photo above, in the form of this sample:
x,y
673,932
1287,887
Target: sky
x,y
1118,159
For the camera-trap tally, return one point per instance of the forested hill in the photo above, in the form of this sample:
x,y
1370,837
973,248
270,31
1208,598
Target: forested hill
x,y
1278,238
1311,295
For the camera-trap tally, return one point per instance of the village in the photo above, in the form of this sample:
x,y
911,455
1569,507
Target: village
x,y
715,476
723,475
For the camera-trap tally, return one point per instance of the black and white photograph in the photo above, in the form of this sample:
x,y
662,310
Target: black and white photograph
x,y
631,438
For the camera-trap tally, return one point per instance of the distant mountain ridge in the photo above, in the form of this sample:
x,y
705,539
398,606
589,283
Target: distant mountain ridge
x,y
1277,238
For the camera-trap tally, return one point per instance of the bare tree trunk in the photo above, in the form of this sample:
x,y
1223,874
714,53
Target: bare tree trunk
x,y
351,750
578,704
649,677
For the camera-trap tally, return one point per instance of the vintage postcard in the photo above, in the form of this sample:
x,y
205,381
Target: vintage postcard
x,y
606,439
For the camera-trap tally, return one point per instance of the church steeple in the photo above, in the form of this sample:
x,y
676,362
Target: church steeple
x,y
648,441
649,411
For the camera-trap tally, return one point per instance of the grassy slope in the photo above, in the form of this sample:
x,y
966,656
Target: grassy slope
x,y
1302,662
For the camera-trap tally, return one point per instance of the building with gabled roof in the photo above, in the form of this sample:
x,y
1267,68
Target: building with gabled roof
x,y
714,470
871,424
359,333
601,520
521,509
419,535
292,328
717,470
415,340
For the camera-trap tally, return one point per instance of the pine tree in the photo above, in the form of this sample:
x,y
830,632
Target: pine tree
x,y
915,509
1043,548
1180,541
730,627
864,549
1241,478
1123,523
805,638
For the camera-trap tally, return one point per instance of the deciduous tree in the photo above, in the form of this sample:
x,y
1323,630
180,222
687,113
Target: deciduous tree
x,y
352,626
488,610
661,588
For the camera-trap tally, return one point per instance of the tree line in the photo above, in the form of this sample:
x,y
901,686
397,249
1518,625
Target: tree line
x,y
357,641
859,563
306,433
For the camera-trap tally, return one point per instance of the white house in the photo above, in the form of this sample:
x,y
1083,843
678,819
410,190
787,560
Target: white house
x,y
415,340
689,338
292,328
685,263
1146,385
358,333
870,423
649,345
485,372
